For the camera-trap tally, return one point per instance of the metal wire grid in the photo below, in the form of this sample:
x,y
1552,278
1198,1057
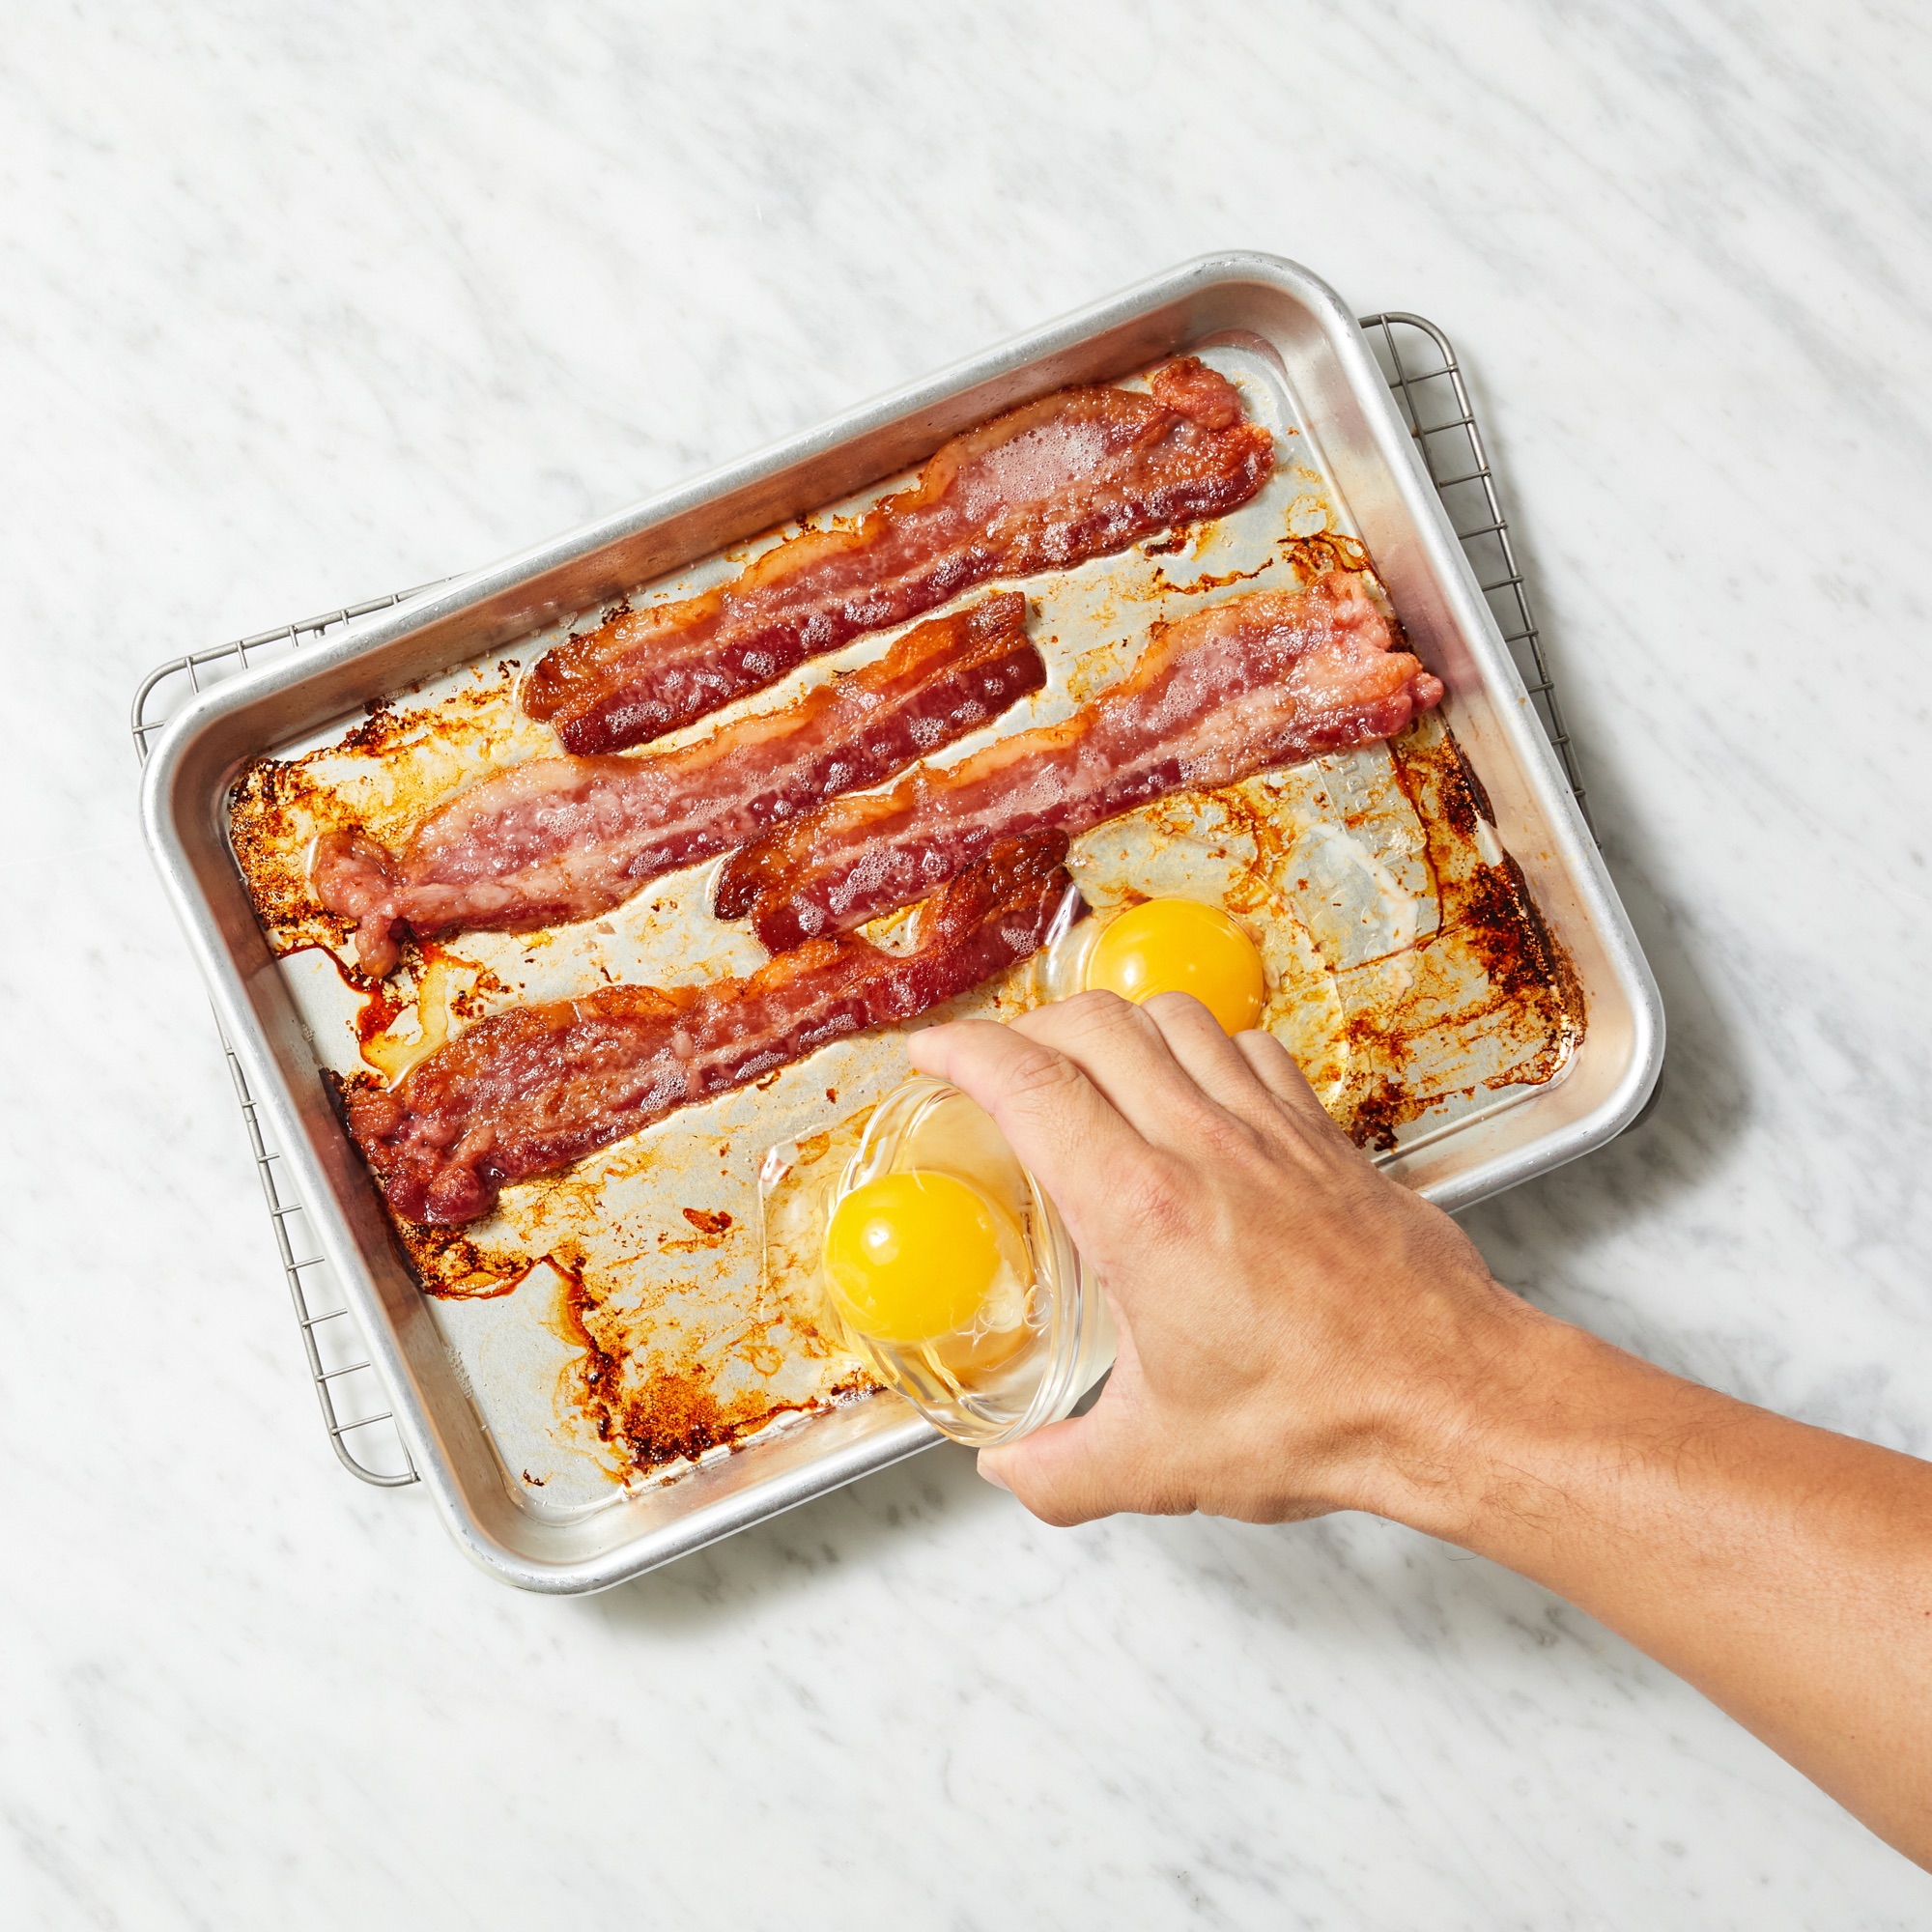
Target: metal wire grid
x,y
1421,369
355,1409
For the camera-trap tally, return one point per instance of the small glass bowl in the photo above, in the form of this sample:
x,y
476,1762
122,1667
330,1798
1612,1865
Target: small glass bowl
x,y
982,1385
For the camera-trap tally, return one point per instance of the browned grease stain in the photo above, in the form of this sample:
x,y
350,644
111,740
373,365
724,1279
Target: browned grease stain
x,y
1325,551
678,1412
1532,1003
651,1396
1094,668
350,977
1212,580
384,1001
378,1010
1309,557
449,1265
275,812
689,1244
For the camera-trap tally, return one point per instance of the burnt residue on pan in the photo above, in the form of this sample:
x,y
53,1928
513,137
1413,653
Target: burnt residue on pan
x,y
1504,982
666,1363
653,1396
447,1264
655,1399
276,810
1306,557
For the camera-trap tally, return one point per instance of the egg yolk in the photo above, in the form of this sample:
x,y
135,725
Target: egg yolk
x,y
1180,946
912,1256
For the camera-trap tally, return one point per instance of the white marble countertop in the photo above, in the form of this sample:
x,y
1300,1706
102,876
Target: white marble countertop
x,y
300,307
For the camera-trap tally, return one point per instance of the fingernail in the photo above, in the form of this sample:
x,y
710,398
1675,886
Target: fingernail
x,y
991,1475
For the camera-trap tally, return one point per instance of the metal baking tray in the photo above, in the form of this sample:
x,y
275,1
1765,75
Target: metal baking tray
x,y
1343,404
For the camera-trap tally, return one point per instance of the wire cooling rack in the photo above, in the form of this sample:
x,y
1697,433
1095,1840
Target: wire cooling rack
x,y
1421,368
1422,372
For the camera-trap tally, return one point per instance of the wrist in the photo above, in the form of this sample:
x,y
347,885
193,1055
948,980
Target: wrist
x,y
1489,1414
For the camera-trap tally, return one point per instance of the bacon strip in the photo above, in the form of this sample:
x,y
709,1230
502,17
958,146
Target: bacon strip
x,y
533,1089
567,839
1078,474
1256,681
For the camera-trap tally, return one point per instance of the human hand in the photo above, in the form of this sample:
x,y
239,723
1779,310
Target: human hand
x,y
1297,1332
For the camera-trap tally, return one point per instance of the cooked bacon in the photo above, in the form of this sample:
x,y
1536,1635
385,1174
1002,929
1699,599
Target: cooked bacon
x,y
567,839
1078,474
533,1089
1256,681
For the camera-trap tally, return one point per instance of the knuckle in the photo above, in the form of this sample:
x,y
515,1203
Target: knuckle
x,y
1097,1016
1220,1135
1036,1072
1178,1006
1300,1128
1156,1201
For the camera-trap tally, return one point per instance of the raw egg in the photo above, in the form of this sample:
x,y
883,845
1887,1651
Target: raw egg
x,y
913,1256
1181,946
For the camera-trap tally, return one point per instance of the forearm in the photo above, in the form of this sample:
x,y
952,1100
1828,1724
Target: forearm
x,y
1785,1570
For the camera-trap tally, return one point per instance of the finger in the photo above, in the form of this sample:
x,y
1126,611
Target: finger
x,y
1059,1123
1274,1066
1114,1189
1070,1472
1123,1053
1209,1058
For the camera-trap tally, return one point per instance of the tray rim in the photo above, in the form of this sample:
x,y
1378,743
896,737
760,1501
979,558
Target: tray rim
x,y
1575,849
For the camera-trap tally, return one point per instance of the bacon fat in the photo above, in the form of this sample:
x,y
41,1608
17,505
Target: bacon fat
x,y
567,839
532,1089
1078,474
1254,682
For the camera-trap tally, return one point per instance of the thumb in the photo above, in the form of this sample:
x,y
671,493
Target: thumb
x,y
1065,1473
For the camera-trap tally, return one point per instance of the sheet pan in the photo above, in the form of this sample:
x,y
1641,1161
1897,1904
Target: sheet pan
x,y
1248,305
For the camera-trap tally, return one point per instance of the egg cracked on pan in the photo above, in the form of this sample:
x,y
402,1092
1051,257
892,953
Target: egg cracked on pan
x,y
1183,901
1180,946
